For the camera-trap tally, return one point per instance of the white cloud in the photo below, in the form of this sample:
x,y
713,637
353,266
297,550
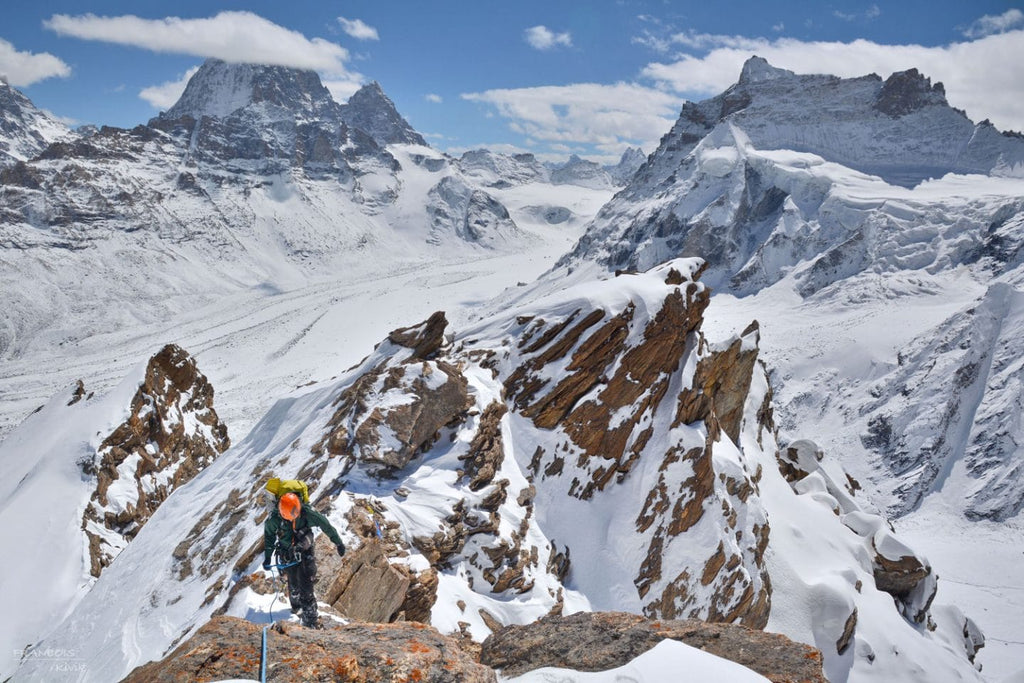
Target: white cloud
x,y
543,38
609,117
431,97
357,29
343,88
22,69
653,42
984,77
995,23
868,14
230,36
164,96
779,27
706,41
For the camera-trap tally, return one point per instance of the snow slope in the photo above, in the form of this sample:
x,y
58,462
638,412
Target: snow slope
x,y
180,567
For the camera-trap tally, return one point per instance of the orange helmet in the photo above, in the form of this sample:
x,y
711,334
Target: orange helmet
x,y
290,506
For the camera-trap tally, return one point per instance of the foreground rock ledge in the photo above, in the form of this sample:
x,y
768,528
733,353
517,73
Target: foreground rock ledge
x,y
229,648
601,641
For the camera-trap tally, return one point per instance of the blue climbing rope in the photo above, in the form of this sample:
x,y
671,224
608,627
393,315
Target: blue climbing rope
x,y
270,618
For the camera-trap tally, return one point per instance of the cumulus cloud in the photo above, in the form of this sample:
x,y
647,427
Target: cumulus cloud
x,y
983,77
230,36
543,38
357,29
164,96
435,99
995,23
609,117
22,69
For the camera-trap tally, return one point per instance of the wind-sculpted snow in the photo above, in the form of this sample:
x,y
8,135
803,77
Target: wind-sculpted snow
x,y
586,450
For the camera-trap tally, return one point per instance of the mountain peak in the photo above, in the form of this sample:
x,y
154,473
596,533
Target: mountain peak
x,y
372,111
220,88
907,91
757,69
25,130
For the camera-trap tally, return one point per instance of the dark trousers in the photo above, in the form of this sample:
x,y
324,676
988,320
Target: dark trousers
x,y
301,578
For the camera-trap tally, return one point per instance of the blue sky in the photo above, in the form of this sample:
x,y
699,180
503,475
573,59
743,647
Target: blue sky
x,y
553,77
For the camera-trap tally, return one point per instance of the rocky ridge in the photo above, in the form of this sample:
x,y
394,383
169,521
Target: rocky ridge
x,y
473,473
599,641
171,434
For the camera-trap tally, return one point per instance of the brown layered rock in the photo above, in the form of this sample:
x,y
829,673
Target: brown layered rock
x,y
364,586
424,339
171,434
424,397
229,648
588,641
721,385
597,344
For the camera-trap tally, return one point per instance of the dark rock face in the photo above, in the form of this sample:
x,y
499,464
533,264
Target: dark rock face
x,y
370,110
172,433
229,648
908,91
588,641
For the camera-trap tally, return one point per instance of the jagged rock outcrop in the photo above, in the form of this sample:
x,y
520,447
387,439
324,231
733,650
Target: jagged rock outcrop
x,y
600,641
614,371
171,434
370,110
229,648
423,397
365,587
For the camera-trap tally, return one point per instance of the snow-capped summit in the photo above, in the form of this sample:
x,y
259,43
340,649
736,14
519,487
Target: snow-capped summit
x,y
25,130
901,129
630,162
757,70
373,112
219,89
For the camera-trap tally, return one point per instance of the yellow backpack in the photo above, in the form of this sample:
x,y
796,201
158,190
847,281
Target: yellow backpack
x,y
279,488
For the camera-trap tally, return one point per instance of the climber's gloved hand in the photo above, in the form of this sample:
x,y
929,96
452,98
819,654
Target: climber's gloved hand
x,y
266,566
341,550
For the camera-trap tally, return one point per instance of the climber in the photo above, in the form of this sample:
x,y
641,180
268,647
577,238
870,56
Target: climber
x,y
289,530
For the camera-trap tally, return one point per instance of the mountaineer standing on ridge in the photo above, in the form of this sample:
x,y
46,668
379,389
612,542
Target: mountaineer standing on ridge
x,y
289,530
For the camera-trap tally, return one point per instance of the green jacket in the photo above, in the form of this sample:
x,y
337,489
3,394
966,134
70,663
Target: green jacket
x,y
278,530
